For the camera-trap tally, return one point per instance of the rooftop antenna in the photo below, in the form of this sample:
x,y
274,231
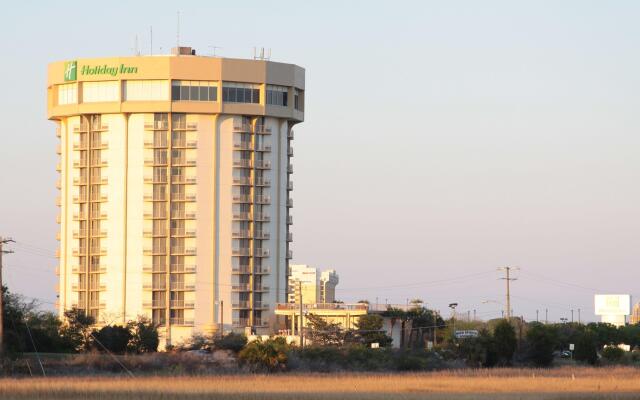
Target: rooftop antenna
x,y
178,31
213,49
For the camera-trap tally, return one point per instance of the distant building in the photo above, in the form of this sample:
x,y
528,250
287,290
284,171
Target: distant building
x,y
613,308
317,287
635,314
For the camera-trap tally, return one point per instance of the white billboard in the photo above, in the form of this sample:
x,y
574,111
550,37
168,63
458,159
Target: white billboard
x,y
613,304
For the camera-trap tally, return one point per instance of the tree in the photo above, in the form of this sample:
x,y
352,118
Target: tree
x,y
322,332
540,342
144,336
270,355
479,351
370,331
76,329
113,338
586,347
231,341
505,342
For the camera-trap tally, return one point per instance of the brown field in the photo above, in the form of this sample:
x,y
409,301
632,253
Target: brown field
x,y
560,383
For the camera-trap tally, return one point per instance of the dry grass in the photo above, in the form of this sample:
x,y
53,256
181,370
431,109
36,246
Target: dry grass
x,y
562,383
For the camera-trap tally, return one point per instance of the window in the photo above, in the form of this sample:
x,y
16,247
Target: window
x,y
68,94
93,92
298,99
277,95
234,92
146,90
194,91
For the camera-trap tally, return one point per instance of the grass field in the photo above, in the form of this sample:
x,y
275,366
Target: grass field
x,y
561,383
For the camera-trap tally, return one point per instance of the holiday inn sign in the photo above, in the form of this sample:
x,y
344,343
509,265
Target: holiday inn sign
x,y
71,70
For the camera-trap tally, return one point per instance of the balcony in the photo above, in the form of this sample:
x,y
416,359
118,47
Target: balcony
x,y
155,143
175,268
289,169
160,196
59,184
155,304
262,130
241,216
81,145
258,305
290,185
154,269
183,162
156,126
289,254
58,201
98,250
179,232
181,321
148,251
262,217
244,163
184,144
289,237
290,135
183,179
187,251
289,203
58,167
289,220
260,323
241,323
243,145
241,234
181,303
239,305
262,164
264,147
183,197
240,287
263,199
242,128
259,252
241,270
242,181
241,252
261,270
155,286
99,180
181,286
261,235
263,182
290,151
261,288
79,215
241,198
156,179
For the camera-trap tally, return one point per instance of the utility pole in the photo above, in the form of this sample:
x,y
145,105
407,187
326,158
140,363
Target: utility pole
x,y
546,315
474,315
508,279
579,316
221,318
3,241
301,316
572,315
536,315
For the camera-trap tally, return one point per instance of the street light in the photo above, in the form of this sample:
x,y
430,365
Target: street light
x,y
453,306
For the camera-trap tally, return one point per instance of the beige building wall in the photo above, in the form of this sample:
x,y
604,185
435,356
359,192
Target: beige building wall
x,y
215,284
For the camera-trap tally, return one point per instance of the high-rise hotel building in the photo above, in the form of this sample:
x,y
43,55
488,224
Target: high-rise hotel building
x,y
175,182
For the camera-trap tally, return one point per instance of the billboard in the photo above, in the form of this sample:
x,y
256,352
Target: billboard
x,y
612,304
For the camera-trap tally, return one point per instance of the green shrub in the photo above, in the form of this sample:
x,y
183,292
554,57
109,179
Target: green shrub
x,y
113,338
230,341
540,343
613,354
269,355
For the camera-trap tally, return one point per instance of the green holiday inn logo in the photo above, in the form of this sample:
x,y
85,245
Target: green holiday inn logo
x,y
70,71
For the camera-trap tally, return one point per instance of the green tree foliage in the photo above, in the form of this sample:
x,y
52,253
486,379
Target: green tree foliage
x,y
586,347
370,331
269,355
112,338
323,333
613,354
540,342
505,342
144,336
76,329
231,341
478,352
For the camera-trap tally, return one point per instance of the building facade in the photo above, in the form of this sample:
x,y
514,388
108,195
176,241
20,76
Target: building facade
x,y
175,189
316,287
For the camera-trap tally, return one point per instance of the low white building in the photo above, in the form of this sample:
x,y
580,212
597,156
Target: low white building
x,y
613,308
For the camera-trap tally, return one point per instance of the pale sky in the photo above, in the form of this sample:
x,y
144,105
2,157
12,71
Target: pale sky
x,y
442,139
